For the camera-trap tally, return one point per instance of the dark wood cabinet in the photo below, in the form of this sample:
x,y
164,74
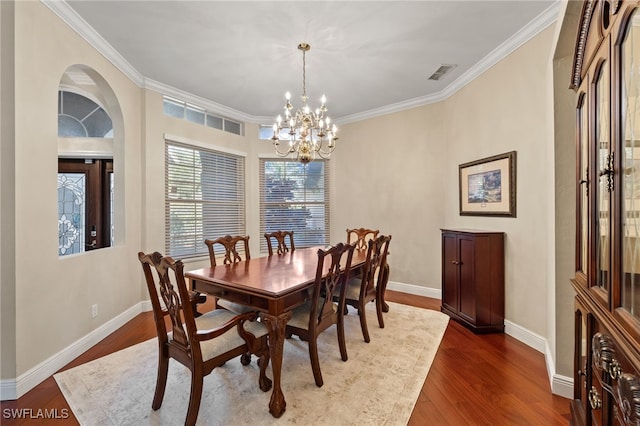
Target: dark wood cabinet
x,y
473,278
607,269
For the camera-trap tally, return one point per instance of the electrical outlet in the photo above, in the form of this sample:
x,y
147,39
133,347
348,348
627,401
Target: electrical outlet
x,y
94,311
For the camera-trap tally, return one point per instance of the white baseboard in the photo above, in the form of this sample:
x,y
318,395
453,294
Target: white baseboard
x,y
560,385
8,390
527,337
434,293
14,389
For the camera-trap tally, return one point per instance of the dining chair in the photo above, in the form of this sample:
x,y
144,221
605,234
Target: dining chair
x,y
309,320
361,236
200,344
231,256
370,285
230,245
280,237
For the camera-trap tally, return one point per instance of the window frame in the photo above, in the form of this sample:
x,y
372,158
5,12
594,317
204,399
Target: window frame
x,y
205,220
302,238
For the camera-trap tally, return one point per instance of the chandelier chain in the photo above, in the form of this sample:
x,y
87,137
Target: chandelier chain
x,y
304,75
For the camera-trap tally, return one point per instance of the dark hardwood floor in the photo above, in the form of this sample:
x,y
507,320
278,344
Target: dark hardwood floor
x,y
488,379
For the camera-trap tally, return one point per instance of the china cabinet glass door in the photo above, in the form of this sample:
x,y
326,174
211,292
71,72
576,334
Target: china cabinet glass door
x,y
630,111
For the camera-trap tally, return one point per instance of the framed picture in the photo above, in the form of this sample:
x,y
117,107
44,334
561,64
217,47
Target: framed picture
x,y
488,186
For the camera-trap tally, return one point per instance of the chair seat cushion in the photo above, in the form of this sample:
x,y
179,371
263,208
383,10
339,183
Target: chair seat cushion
x,y
353,289
300,315
229,340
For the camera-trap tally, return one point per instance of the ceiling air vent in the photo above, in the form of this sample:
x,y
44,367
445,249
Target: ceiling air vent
x,y
441,72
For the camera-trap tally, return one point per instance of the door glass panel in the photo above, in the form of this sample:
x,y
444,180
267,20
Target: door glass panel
x,y
630,98
71,217
604,187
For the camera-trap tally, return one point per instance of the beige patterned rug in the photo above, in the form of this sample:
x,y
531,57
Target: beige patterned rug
x,y
378,385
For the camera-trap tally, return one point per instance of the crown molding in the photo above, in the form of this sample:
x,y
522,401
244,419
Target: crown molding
x,y
79,25
86,31
533,28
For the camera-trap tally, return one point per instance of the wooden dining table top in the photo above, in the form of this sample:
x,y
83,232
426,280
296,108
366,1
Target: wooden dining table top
x,y
272,276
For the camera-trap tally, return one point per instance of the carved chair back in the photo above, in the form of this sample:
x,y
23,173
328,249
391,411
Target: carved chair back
x,y
171,295
280,237
230,245
376,260
361,236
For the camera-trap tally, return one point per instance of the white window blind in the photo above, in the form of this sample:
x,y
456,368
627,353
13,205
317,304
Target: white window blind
x,y
295,197
205,197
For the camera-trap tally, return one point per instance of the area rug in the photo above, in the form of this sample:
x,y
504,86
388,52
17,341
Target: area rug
x,y
378,385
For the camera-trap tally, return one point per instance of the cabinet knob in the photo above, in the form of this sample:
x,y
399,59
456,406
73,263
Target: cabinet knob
x,y
594,398
615,370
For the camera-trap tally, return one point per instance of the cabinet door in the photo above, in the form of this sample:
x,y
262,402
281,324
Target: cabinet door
x,y
627,299
450,271
468,285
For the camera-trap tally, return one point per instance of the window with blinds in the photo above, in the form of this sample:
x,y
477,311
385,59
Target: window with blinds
x,y
295,197
205,197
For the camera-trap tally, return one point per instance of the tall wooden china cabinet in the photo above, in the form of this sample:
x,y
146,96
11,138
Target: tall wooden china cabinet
x,y
606,76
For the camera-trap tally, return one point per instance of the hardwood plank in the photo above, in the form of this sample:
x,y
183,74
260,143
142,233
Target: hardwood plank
x,y
475,379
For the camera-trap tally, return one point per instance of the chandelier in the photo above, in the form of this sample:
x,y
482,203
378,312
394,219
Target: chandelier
x,y
308,133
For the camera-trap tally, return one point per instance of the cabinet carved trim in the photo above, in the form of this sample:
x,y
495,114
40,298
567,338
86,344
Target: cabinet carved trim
x,y
629,399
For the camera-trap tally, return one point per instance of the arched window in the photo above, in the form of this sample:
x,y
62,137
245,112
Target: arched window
x,y
79,116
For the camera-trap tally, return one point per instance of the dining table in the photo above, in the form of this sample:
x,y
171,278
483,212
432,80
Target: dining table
x,y
273,285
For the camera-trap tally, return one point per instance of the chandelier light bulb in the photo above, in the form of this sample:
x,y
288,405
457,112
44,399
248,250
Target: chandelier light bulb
x,y
323,99
287,96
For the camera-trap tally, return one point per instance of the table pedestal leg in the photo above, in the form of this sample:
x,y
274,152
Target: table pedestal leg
x,y
276,327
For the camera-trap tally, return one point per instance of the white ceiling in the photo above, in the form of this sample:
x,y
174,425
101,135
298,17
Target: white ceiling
x,y
367,57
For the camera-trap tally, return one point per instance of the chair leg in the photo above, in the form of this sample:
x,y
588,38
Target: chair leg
x,y
264,382
341,340
363,324
194,399
245,359
161,381
379,310
315,362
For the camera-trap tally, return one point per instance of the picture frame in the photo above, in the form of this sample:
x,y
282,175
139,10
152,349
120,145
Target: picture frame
x,y
487,187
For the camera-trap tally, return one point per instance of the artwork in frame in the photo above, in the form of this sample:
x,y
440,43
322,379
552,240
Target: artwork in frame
x,y
488,186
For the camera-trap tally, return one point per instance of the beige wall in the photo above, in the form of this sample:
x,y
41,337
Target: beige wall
x,y
389,176
402,176
398,173
7,195
54,295
508,109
